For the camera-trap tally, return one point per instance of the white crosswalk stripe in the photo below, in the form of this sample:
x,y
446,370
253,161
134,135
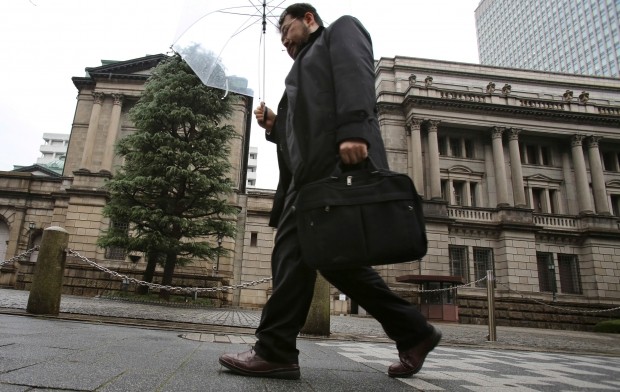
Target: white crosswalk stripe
x,y
458,369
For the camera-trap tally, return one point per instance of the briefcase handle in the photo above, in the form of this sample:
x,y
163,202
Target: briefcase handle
x,y
367,165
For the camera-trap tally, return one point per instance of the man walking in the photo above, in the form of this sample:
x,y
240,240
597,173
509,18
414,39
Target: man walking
x,y
327,114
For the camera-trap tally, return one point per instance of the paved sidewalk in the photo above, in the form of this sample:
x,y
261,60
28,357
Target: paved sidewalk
x,y
160,348
208,320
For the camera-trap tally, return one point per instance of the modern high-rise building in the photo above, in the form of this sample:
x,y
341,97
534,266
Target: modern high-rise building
x,y
569,36
54,147
252,162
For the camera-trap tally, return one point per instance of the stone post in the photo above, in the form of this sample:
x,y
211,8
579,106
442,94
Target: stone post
x,y
598,178
433,152
317,322
46,288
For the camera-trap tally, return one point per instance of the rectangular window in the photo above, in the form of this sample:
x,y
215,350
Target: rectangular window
x,y
483,262
545,156
254,238
469,149
116,252
441,142
609,161
459,192
444,190
570,278
537,200
531,157
455,147
553,198
546,272
615,204
473,189
458,261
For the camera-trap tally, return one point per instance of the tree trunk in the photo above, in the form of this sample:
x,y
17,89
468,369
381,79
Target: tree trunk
x,y
317,322
171,262
149,272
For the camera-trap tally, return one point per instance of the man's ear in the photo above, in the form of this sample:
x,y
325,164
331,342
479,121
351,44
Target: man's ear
x,y
309,18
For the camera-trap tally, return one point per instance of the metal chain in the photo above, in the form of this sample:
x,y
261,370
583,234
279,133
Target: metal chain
x,y
557,307
19,256
150,285
466,285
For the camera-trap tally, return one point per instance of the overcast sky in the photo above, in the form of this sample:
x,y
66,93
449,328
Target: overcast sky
x,y
47,42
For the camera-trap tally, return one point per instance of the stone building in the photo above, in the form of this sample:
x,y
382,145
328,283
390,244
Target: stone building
x,y
519,175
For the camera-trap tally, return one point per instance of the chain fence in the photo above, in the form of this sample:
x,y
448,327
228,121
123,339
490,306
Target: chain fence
x,y
554,306
19,256
150,285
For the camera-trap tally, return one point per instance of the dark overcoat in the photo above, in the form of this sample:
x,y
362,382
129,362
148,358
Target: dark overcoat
x,y
329,98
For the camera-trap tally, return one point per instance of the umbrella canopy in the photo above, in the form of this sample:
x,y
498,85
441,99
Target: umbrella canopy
x,y
224,42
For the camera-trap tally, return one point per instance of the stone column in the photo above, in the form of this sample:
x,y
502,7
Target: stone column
x,y
451,197
110,143
91,134
548,201
433,152
516,169
467,194
581,177
501,182
598,178
415,154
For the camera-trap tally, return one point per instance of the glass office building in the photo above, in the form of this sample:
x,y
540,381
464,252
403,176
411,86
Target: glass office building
x,y
568,36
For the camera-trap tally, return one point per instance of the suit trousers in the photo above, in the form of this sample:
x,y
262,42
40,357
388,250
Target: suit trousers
x,y
285,312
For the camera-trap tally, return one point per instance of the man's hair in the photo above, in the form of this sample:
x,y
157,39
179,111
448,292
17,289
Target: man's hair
x,y
297,11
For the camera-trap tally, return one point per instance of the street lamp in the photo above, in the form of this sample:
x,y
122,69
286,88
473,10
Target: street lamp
x,y
31,227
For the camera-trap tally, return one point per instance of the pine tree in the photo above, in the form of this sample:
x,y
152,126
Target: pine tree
x,y
172,187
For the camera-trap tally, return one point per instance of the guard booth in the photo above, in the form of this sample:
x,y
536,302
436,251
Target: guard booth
x,y
438,305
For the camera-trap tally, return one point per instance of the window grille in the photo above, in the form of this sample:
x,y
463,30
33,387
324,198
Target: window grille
x,y
483,261
570,278
546,272
458,261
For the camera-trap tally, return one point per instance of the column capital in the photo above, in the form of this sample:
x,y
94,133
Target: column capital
x,y
98,97
118,99
497,132
577,140
414,124
432,125
593,141
513,133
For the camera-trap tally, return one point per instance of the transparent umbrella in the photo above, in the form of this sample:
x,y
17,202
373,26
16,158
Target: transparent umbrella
x,y
224,42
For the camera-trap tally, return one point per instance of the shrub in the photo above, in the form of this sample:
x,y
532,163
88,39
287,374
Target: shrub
x,y
609,326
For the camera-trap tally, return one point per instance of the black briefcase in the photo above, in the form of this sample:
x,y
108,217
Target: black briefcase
x,y
359,218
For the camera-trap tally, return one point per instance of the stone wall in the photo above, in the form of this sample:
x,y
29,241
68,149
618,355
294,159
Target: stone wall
x,y
84,280
523,313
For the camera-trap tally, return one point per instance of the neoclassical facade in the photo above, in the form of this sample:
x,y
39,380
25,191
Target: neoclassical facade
x,y
519,171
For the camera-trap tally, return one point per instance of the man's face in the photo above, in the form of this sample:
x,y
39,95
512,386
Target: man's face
x,y
294,33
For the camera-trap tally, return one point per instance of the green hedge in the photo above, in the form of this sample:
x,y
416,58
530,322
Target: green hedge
x,y
610,326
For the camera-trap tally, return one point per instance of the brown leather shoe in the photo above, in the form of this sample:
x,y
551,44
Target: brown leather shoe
x,y
248,363
411,360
